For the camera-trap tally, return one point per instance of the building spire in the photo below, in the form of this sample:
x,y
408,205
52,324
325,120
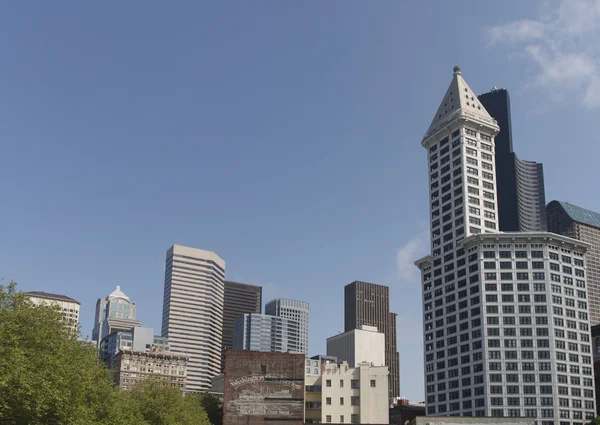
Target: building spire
x,y
459,97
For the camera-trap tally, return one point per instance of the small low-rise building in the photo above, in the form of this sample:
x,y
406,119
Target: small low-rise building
x,y
343,394
314,365
405,411
133,366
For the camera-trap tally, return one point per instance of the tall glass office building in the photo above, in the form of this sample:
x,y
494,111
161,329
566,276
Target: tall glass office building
x,y
519,183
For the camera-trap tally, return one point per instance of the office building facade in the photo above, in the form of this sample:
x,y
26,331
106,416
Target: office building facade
x,y
519,183
369,304
113,313
506,325
261,332
193,311
596,360
69,307
578,223
239,299
293,310
134,366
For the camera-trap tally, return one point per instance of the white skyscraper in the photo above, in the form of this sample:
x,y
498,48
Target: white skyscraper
x,y
506,328
294,310
193,311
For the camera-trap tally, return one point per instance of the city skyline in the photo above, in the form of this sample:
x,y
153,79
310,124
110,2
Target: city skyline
x,y
286,133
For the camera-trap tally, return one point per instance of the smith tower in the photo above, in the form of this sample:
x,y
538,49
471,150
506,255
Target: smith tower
x,y
460,142
505,315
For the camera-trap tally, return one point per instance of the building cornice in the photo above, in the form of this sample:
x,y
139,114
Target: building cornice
x,y
526,237
424,262
459,117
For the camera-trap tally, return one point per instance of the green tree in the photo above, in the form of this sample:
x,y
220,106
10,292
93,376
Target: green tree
x,y
595,421
213,407
164,405
47,376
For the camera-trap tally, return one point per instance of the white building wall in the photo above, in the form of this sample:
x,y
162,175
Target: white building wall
x,y
349,397
374,395
358,346
193,311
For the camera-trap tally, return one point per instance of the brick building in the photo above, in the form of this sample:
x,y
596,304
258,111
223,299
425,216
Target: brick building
x,y
263,387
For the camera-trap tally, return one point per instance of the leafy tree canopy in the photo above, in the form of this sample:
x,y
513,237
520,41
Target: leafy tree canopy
x,y
48,376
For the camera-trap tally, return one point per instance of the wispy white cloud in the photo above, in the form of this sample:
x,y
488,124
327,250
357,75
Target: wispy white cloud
x,y
517,31
563,45
406,256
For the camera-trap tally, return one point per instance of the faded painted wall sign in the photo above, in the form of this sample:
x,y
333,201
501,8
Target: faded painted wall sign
x,y
266,378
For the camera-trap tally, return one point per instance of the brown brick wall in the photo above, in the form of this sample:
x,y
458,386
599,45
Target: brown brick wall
x,y
263,388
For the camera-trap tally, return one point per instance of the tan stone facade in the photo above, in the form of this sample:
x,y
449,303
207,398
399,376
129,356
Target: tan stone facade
x,y
132,367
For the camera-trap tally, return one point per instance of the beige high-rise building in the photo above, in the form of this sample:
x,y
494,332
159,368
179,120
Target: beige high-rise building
x,y
193,311
68,306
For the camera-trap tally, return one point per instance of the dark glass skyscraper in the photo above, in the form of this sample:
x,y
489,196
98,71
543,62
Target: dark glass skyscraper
x,y
369,304
239,299
520,183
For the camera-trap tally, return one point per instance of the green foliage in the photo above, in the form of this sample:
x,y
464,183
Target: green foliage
x,y
164,405
595,421
213,407
47,376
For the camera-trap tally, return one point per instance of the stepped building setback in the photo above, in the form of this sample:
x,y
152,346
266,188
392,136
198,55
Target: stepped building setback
x,y
505,315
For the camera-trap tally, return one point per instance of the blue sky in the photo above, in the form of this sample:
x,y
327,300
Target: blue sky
x,y
283,136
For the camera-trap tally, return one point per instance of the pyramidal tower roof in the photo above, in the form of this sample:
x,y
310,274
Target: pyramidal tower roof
x,y
459,97
117,293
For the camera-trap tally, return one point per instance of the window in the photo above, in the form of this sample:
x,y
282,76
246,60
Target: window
x,y
355,400
328,383
354,383
341,383
328,401
341,401
341,419
373,383
328,419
